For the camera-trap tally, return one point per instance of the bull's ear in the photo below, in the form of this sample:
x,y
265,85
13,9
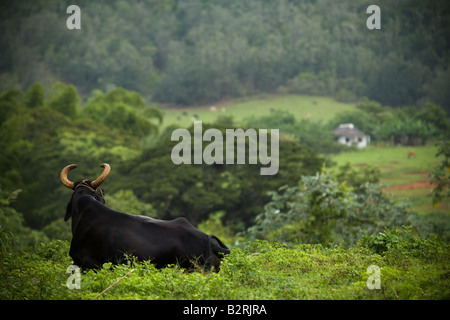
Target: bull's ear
x,y
99,193
219,246
68,211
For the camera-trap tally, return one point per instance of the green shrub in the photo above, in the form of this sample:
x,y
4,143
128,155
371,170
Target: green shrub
x,y
323,210
401,243
37,275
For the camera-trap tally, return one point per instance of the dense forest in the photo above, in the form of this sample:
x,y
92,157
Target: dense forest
x,y
197,51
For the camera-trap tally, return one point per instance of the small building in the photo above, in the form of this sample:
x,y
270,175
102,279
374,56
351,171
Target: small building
x,y
349,135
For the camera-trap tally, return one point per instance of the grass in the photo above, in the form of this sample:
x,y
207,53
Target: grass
x,y
410,268
396,168
315,108
403,176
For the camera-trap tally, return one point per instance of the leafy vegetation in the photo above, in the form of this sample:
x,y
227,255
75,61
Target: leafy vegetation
x,y
322,210
411,267
441,174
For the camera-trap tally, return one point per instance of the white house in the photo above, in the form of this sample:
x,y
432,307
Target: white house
x,y
349,135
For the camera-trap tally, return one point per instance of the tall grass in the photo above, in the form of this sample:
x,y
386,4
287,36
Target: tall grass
x,y
411,267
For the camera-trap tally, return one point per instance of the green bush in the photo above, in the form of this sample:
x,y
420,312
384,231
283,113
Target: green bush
x,y
14,234
403,243
440,175
323,210
37,275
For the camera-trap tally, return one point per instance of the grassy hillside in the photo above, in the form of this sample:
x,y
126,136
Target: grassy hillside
x,y
403,176
396,168
409,268
315,108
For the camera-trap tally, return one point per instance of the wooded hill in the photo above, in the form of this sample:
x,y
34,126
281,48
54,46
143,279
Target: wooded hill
x,y
188,52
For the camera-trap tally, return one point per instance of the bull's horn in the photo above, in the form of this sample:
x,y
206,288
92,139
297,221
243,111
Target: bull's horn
x,y
103,176
69,184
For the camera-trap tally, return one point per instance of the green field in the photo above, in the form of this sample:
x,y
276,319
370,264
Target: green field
x,y
402,176
396,168
311,107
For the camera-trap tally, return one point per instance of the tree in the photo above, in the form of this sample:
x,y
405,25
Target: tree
x,y
396,81
436,116
124,110
64,99
14,234
34,97
362,120
10,103
37,142
407,131
441,174
436,90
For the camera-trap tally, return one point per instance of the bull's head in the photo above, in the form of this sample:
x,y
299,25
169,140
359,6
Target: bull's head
x,y
84,186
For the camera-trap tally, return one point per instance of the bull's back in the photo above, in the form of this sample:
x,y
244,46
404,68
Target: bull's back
x,y
105,235
163,242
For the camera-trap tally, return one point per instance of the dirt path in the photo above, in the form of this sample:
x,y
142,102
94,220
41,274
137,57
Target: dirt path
x,y
413,185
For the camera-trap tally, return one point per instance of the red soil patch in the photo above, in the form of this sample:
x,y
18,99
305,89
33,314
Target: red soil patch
x,y
359,165
424,173
420,184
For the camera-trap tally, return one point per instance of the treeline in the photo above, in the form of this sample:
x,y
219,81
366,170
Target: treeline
x,y
195,51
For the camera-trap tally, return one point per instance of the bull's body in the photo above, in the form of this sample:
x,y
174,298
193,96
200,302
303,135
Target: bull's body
x,y
100,234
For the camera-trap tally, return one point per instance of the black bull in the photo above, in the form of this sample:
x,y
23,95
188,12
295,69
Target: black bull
x,y
100,234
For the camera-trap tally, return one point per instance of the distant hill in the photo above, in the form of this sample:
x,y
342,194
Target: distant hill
x,y
195,52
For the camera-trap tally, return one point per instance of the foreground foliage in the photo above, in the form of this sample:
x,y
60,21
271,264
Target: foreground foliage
x,y
411,267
